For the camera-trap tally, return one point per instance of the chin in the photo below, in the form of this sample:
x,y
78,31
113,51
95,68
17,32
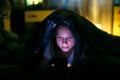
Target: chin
x,y
65,50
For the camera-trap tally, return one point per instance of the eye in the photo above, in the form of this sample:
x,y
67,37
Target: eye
x,y
58,37
70,37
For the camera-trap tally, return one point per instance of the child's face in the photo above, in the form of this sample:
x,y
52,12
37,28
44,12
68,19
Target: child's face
x,y
64,39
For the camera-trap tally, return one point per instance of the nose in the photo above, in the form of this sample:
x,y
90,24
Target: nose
x,y
64,41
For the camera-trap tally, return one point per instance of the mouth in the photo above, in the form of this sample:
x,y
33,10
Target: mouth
x,y
65,47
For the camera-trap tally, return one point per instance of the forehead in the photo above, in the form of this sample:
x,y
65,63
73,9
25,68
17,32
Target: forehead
x,y
62,29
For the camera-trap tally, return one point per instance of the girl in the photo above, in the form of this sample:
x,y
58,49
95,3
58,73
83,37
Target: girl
x,y
66,34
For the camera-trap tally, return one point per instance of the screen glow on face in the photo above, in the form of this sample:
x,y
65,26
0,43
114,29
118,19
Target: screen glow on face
x,y
65,39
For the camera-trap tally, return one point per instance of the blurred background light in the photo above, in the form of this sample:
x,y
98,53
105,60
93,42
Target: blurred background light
x,y
33,2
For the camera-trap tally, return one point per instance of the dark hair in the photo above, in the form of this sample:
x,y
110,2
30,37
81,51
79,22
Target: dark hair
x,y
86,34
71,21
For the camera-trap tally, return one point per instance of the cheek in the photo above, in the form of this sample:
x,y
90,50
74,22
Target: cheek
x,y
71,43
59,43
